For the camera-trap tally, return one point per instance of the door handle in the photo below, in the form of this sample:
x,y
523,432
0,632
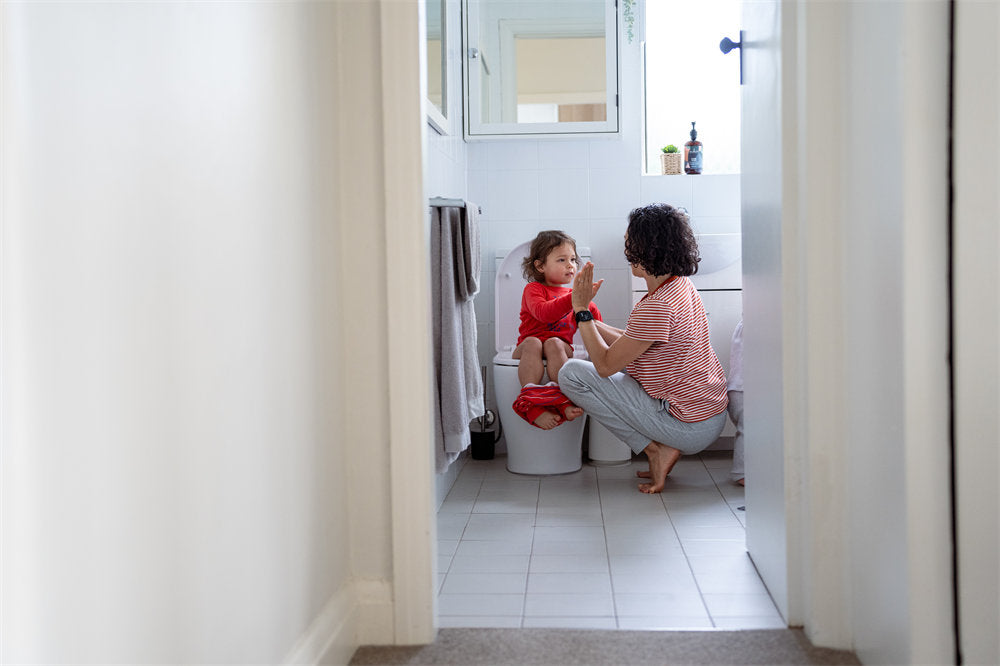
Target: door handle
x,y
727,45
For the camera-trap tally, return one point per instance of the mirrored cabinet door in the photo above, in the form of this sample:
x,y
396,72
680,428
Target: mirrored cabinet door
x,y
437,64
540,67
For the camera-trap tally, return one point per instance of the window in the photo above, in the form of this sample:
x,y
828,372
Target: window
x,y
687,78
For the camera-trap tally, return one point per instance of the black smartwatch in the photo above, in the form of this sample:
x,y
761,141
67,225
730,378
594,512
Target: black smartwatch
x,y
584,315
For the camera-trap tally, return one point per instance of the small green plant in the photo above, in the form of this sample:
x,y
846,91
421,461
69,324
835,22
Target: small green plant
x,y
670,149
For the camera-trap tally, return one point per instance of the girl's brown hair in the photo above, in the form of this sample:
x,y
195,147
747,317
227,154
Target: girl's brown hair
x,y
544,242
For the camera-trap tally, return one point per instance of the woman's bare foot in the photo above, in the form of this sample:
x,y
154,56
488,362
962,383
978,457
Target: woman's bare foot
x,y
573,412
662,459
740,482
548,420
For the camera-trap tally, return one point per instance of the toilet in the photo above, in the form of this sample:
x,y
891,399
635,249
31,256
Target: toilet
x,y
530,450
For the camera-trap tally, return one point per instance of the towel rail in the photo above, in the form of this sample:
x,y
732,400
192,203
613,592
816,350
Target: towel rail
x,y
443,201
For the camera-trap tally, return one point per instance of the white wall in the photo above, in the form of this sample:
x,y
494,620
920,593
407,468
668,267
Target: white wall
x,y
897,403
175,471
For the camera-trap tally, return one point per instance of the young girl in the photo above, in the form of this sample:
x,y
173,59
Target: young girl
x,y
547,323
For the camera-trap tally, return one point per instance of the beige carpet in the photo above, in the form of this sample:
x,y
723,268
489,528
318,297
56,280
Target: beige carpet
x,y
558,647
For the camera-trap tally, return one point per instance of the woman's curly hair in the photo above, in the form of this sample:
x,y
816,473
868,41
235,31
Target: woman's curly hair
x,y
541,246
660,241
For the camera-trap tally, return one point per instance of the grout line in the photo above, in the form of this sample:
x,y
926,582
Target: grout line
x,y
531,554
607,552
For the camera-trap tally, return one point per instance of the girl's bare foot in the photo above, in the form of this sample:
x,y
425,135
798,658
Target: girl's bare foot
x,y
548,420
573,412
662,459
740,482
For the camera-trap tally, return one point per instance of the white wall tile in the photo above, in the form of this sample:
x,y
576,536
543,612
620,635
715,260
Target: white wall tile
x,y
519,154
563,155
479,194
613,192
614,299
716,196
716,225
608,242
674,190
564,194
477,156
615,153
513,194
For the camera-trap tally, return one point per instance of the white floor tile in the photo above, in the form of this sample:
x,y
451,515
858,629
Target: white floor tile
x,y
451,525
569,583
469,547
581,547
463,505
733,532
570,623
569,564
447,546
489,564
752,622
480,604
649,605
484,583
549,533
647,564
729,582
735,565
659,532
664,548
697,548
677,581
592,519
477,622
735,605
664,623
499,527
588,550
505,506
568,605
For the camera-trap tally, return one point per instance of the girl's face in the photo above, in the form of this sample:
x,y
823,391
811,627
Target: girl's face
x,y
560,266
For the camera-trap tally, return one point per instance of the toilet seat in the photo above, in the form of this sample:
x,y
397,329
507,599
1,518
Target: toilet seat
x,y
504,357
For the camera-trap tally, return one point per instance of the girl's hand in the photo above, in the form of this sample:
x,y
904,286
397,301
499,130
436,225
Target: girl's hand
x,y
584,288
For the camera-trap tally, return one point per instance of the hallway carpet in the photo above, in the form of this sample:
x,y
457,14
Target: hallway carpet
x,y
559,647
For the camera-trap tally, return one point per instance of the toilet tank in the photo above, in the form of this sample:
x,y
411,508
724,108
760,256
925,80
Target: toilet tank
x,y
508,287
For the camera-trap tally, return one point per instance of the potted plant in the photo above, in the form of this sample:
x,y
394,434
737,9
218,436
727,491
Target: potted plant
x,y
671,160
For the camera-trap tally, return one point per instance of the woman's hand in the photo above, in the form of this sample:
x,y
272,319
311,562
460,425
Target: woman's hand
x,y
584,288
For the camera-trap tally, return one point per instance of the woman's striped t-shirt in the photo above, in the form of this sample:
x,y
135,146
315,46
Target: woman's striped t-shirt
x,y
680,366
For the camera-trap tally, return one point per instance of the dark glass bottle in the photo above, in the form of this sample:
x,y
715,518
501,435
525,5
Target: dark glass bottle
x,y
692,153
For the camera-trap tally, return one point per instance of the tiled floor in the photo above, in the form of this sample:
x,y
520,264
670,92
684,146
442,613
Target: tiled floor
x,y
588,550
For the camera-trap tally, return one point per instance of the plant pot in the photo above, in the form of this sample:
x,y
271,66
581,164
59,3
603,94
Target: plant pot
x,y
672,163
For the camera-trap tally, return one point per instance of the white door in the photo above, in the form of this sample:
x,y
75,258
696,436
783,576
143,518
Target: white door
x,y
762,306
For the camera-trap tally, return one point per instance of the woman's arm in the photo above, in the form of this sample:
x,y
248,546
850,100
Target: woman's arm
x,y
607,359
608,332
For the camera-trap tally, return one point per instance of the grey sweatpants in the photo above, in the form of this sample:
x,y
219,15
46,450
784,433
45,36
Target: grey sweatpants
x,y
620,404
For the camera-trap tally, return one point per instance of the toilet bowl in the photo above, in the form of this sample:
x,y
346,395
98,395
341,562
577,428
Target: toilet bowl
x,y
530,450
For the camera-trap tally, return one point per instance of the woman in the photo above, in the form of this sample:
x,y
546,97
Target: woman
x,y
657,385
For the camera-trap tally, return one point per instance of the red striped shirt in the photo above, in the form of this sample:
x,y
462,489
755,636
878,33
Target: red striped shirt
x,y
680,366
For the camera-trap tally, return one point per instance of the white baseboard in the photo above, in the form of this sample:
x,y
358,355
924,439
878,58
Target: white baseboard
x,y
360,613
332,637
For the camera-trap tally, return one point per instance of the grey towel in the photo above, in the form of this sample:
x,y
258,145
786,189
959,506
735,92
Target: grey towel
x,y
454,282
